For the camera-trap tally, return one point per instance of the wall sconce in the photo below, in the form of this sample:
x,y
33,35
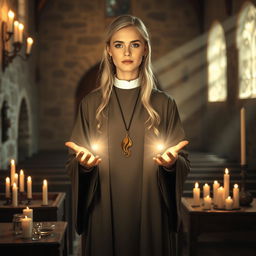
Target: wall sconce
x,y
13,30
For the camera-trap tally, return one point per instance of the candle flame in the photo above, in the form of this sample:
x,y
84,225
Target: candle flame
x,y
16,23
216,182
95,147
229,197
45,182
27,208
12,162
208,196
7,179
30,40
14,185
159,147
29,178
226,170
11,14
21,172
235,186
16,175
21,26
26,216
206,185
196,185
221,188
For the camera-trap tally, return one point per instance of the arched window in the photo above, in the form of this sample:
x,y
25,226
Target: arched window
x,y
246,45
217,64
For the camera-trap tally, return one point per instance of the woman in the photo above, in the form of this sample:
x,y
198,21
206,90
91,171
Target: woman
x,y
127,172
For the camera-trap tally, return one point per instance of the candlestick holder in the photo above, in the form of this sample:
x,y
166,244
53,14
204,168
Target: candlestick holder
x,y
29,201
8,201
245,196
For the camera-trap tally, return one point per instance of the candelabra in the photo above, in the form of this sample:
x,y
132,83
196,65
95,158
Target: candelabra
x,y
13,31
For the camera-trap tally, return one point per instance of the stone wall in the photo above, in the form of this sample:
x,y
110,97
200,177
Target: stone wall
x,y
17,83
71,34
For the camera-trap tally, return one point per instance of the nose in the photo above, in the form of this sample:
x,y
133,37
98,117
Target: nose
x,y
127,51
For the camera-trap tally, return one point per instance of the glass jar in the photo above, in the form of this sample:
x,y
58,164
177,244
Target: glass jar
x,y
16,223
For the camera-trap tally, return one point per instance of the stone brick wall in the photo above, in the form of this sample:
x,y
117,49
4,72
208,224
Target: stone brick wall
x,y
17,83
71,34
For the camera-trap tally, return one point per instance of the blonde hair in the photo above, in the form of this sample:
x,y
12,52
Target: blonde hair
x,y
146,77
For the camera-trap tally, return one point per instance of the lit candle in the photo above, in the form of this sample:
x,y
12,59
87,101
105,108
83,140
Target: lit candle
x,y
26,224
236,196
28,212
196,194
207,202
29,45
20,32
21,181
228,203
243,136
14,195
10,21
216,185
16,31
226,183
7,188
206,190
16,178
45,193
220,195
13,170
29,187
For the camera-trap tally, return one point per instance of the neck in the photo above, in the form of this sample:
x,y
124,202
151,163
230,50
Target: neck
x,y
128,76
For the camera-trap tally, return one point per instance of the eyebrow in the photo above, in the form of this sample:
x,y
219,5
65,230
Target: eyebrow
x,y
133,41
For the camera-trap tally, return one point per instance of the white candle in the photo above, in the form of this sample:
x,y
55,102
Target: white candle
x,y
236,196
16,31
13,170
226,183
10,21
21,181
207,202
216,185
228,203
20,32
7,188
29,45
243,136
14,195
29,187
220,195
206,190
45,193
28,212
26,224
16,178
196,194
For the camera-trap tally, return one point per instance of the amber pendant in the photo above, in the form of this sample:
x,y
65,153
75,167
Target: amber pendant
x,y
126,144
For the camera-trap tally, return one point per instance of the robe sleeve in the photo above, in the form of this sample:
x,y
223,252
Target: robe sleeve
x,y
171,182
84,183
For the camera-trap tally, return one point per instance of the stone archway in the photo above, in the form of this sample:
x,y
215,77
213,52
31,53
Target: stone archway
x,y
87,83
23,132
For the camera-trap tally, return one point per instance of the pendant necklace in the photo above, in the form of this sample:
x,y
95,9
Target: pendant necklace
x,y
127,141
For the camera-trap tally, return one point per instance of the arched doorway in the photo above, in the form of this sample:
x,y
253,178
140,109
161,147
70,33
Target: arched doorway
x,y
23,132
87,83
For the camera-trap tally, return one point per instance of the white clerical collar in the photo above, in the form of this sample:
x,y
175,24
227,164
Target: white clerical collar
x,y
124,84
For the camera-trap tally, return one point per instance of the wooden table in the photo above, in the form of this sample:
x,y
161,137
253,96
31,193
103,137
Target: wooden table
x,y
54,244
196,221
54,211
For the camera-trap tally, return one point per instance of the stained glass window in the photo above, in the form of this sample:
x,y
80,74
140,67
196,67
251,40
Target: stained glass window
x,y
246,45
217,64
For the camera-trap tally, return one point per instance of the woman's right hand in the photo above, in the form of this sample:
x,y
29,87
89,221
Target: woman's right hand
x,y
83,155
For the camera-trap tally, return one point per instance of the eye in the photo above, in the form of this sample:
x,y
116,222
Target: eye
x,y
135,45
118,45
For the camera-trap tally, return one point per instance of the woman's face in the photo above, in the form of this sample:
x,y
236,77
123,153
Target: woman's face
x,y
127,48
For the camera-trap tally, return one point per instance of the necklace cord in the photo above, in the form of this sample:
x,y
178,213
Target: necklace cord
x,y
122,114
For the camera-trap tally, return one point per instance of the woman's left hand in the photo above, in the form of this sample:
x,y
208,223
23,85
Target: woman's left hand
x,y
169,157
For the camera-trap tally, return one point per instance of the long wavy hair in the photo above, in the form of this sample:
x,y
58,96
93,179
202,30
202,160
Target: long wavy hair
x,y
146,77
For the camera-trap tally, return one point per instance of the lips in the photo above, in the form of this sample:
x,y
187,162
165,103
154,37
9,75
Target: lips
x,y
127,61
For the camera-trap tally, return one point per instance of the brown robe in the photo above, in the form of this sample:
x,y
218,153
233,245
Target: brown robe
x,y
127,206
